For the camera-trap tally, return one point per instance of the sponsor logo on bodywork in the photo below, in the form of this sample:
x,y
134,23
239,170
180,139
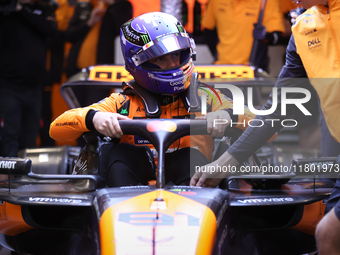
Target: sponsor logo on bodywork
x,y
7,164
266,200
54,200
160,219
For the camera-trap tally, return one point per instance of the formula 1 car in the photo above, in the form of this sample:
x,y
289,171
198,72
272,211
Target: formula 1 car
x,y
76,214
48,211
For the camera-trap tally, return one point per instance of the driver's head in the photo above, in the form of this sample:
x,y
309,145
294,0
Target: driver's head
x,y
158,52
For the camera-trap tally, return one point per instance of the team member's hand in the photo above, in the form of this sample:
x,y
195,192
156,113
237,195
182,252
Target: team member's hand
x,y
259,32
293,14
217,122
107,123
219,167
96,15
210,180
21,2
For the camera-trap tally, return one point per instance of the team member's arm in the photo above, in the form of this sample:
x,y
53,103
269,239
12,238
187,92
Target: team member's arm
x,y
221,115
41,22
78,27
255,137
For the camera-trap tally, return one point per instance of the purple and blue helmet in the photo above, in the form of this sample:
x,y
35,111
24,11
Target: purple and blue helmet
x,y
152,35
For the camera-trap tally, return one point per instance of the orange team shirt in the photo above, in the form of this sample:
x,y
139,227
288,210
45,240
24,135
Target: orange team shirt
x,y
317,39
287,6
234,21
140,7
189,26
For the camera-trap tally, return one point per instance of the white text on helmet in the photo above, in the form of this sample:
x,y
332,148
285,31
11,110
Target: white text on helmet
x,y
172,83
178,88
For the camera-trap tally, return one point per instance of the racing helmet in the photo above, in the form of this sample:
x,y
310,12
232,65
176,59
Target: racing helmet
x,y
150,36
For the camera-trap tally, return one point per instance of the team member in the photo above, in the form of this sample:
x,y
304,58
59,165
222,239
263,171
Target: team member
x,y
234,23
313,51
92,31
23,45
158,54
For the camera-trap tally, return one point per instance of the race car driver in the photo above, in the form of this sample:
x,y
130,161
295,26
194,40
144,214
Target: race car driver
x,y
158,54
314,52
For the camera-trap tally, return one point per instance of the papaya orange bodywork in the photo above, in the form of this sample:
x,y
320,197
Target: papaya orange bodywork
x,y
158,226
11,220
312,214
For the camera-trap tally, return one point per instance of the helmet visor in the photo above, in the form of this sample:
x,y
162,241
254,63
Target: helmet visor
x,y
162,46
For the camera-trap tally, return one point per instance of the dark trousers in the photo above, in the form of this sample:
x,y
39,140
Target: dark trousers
x,y
334,199
20,111
329,146
134,165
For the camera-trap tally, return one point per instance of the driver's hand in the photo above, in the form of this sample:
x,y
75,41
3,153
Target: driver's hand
x,y
217,122
107,123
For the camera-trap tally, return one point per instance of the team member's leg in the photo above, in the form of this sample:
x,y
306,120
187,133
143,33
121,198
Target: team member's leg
x,y
31,115
328,232
329,146
10,121
334,197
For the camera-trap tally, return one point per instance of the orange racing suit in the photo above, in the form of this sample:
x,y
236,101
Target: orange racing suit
x,y
73,123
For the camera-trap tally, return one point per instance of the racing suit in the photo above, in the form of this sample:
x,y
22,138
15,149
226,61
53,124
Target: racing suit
x,y
73,123
314,52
